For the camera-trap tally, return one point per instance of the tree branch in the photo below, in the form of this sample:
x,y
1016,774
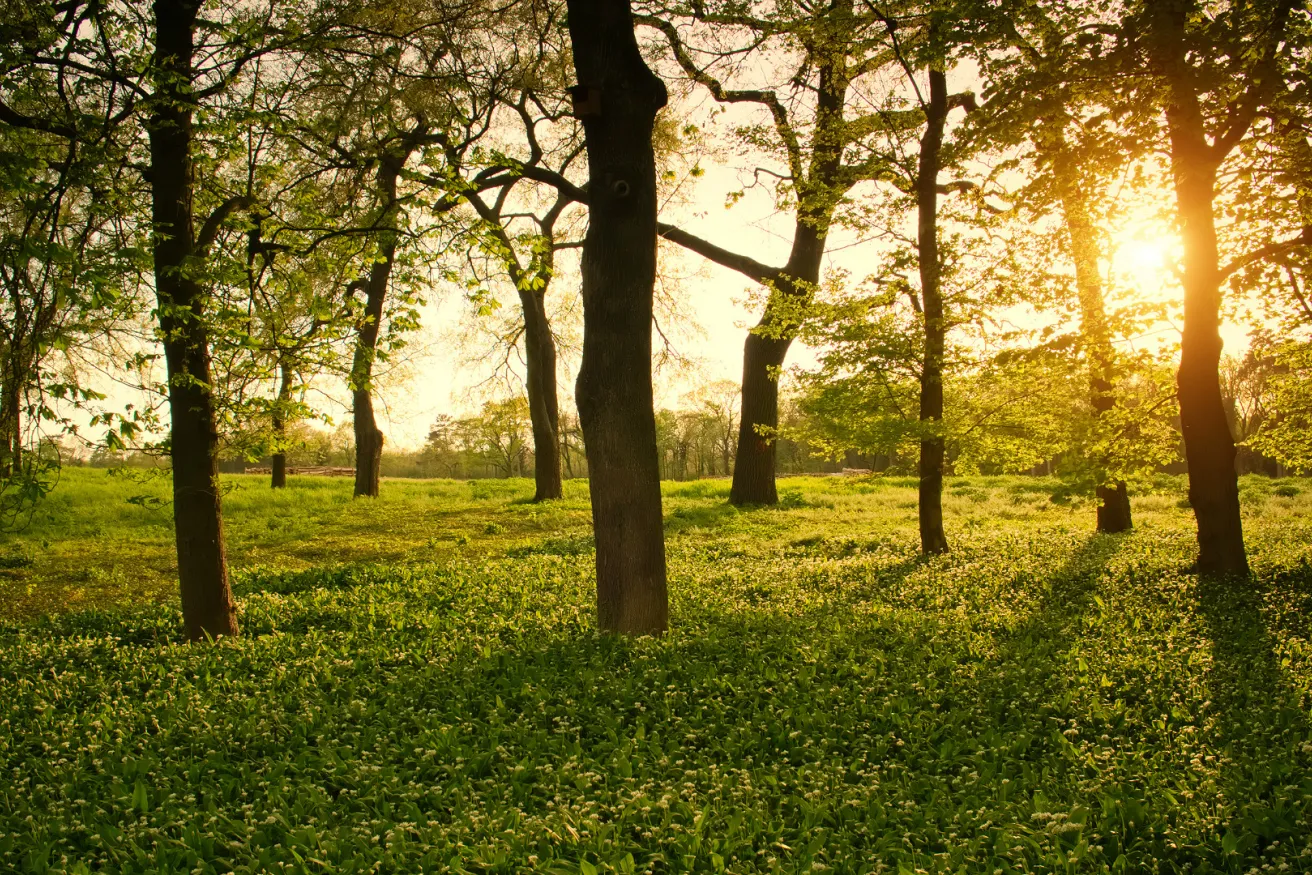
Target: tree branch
x,y
210,229
749,267
1271,250
767,99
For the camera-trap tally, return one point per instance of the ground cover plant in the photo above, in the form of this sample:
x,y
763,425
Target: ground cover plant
x,y
1043,699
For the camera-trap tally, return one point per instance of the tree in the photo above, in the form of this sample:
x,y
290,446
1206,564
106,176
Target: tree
x,y
399,89
522,237
1213,71
835,51
1056,99
617,100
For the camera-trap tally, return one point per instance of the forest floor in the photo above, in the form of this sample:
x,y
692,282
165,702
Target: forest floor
x,y
419,687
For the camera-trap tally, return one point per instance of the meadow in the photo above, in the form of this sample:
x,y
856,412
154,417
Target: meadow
x,y
419,686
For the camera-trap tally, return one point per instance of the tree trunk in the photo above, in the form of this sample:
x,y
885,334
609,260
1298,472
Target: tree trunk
x,y
11,429
614,388
767,345
1114,498
279,464
754,467
1208,444
207,605
932,442
543,408
368,437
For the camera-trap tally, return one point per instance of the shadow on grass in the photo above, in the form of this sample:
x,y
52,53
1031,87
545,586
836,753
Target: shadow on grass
x,y
702,516
1261,727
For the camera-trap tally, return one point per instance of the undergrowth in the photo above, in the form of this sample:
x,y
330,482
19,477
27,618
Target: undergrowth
x,y
1040,700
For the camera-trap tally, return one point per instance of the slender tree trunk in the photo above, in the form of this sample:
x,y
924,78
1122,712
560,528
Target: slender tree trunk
x,y
279,464
1114,498
11,429
543,407
614,389
1208,444
207,605
932,442
368,436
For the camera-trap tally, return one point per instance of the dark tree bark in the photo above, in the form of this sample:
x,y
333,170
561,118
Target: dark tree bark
x,y
932,443
539,343
368,436
1195,159
1082,237
767,346
11,428
617,99
279,464
819,180
543,405
207,605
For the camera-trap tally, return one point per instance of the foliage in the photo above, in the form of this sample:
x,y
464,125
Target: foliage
x,y
1041,700
1286,433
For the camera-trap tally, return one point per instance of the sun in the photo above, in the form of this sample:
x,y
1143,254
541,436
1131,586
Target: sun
x,y
1143,262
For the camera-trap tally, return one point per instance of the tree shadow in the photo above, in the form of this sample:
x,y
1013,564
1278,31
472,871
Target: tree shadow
x,y
1259,723
701,516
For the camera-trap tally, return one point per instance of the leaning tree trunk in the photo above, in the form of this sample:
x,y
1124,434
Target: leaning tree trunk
x,y
617,99
279,464
543,408
763,357
932,441
207,605
368,436
1114,498
767,345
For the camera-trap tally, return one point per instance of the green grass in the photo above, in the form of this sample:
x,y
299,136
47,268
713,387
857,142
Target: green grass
x,y
420,688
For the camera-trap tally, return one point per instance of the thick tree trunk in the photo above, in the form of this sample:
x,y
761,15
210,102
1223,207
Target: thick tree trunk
x,y
543,407
1208,443
368,436
207,605
1114,498
932,442
279,464
754,466
617,99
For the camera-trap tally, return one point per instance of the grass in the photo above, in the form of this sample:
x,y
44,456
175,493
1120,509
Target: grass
x,y
419,688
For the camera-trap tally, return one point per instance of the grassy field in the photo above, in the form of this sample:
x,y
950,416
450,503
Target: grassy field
x,y
420,688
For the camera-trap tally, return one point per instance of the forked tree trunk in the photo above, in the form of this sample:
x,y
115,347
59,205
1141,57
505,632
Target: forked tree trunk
x,y
1114,498
543,407
368,436
617,99
1208,444
279,464
932,441
207,606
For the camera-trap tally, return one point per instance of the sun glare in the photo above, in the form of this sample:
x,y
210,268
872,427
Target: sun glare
x,y
1141,261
